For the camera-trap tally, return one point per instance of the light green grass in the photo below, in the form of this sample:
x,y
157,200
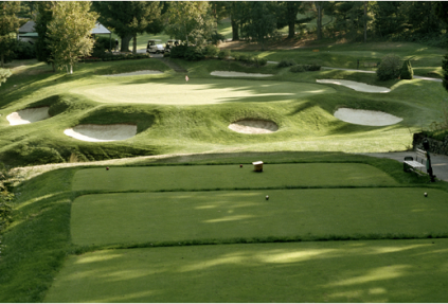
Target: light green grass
x,y
200,91
163,178
134,218
301,108
410,271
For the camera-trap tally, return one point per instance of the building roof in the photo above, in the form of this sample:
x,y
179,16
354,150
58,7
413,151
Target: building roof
x,y
29,28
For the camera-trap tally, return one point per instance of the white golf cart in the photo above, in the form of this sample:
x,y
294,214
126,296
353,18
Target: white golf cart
x,y
155,46
170,43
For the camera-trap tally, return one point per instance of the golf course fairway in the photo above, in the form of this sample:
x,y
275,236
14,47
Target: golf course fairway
x,y
131,218
213,177
364,271
201,91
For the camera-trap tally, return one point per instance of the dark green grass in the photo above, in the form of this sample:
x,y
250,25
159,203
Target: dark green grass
x,y
363,271
169,178
133,218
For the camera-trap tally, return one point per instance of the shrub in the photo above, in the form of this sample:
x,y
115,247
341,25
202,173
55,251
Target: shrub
x,y
260,61
105,42
312,67
178,51
25,50
389,68
210,50
286,63
297,69
406,70
216,37
193,54
224,54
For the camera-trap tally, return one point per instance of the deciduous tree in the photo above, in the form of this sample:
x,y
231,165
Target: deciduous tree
x,y
129,18
189,21
9,26
69,32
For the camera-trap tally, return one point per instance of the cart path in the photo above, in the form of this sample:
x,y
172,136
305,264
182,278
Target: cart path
x,y
439,162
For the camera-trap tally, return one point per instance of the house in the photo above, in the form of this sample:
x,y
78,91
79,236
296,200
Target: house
x,y
28,33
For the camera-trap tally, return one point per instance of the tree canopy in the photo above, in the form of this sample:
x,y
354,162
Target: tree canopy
x,y
69,32
189,21
129,18
9,26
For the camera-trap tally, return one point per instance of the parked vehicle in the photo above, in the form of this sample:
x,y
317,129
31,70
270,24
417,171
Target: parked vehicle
x,y
170,43
155,46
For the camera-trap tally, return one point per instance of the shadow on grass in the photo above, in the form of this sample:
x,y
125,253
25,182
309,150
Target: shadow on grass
x,y
353,271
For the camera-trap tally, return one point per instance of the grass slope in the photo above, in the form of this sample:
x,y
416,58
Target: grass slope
x,y
169,119
411,271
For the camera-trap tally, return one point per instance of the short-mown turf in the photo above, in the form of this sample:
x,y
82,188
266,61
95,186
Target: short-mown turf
x,y
363,271
211,177
134,218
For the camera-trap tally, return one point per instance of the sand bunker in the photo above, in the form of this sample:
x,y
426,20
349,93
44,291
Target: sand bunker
x,y
366,117
146,72
357,86
253,126
27,116
101,133
238,74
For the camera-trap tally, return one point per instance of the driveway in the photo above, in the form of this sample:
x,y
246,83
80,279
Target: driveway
x,y
439,162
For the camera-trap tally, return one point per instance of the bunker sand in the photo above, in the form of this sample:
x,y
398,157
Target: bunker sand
x,y
253,126
366,117
357,86
27,116
101,133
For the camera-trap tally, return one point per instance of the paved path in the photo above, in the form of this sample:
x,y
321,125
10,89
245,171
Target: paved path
x,y
439,162
369,72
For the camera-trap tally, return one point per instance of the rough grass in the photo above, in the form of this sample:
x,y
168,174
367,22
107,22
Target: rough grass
x,y
365,271
196,178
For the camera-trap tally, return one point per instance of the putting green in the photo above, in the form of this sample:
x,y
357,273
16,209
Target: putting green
x,y
364,271
213,177
201,91
129,218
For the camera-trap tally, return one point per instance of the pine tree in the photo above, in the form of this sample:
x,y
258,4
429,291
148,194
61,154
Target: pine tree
x,y
69,32
406,70
9,26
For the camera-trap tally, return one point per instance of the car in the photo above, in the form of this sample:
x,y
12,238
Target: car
x,y
170,43
155,46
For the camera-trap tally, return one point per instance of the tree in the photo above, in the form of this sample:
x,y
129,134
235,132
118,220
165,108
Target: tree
x,y
129,18
189,20
441,11
4,74
69,32
260,21
9,26
286,15
43,18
